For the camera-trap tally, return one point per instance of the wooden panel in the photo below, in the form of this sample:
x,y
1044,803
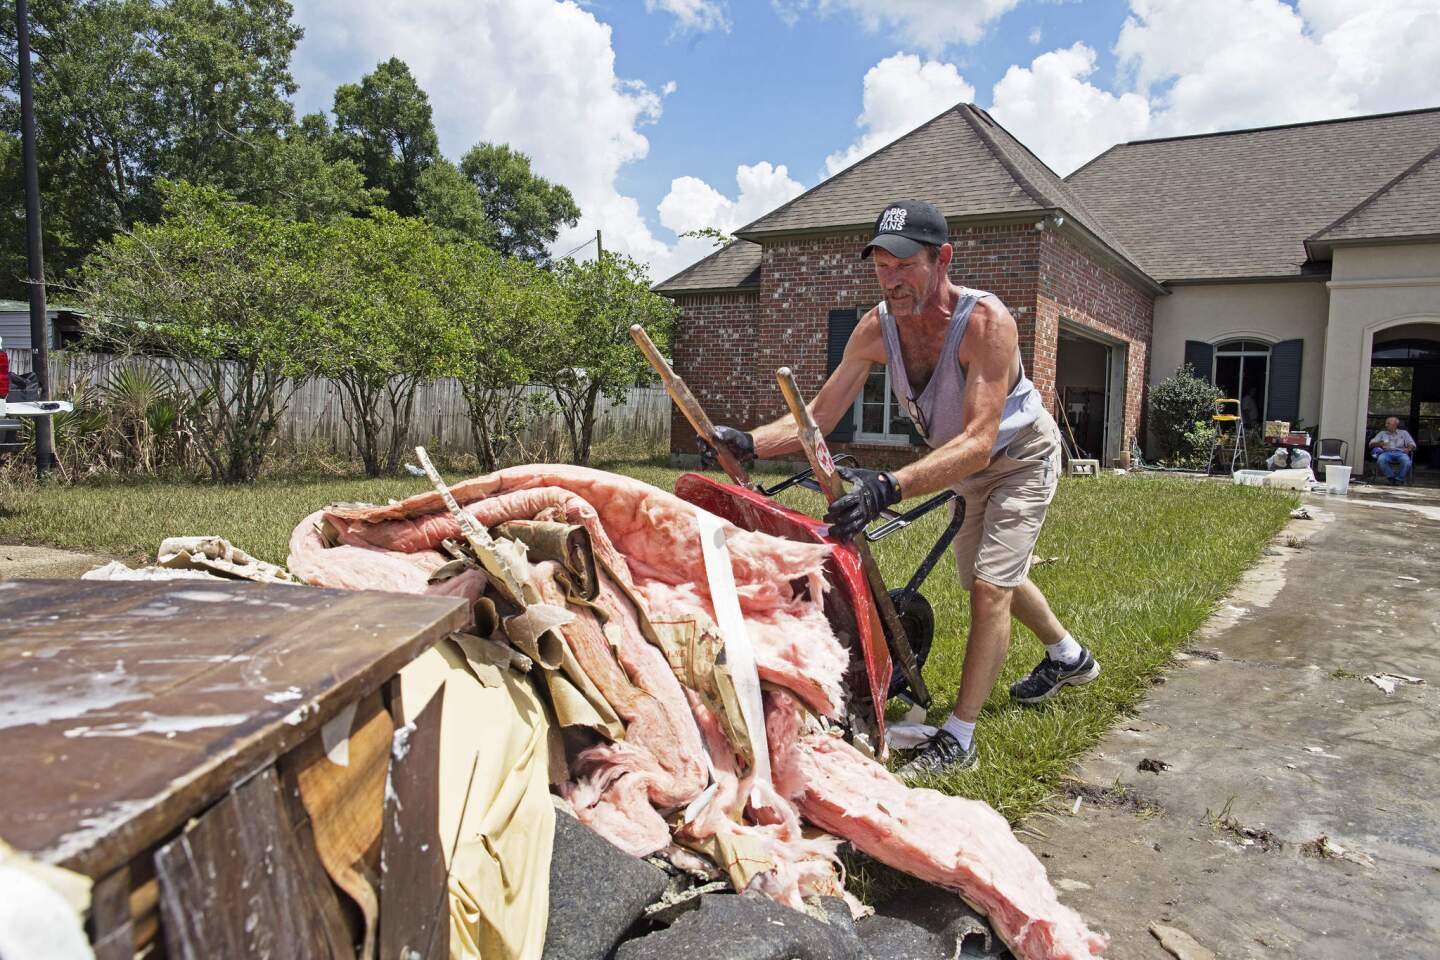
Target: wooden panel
x,y
234,883
111,931
342,805
414,902
133,705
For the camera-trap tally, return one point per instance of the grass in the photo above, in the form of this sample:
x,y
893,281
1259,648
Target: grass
x,y
1141,564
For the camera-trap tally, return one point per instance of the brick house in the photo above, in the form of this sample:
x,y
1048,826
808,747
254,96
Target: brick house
x,y
1109,273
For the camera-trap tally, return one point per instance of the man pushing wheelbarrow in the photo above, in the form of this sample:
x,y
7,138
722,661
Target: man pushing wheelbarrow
x,y
954,361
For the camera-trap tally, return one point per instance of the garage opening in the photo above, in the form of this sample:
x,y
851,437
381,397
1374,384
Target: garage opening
x,y
1086,373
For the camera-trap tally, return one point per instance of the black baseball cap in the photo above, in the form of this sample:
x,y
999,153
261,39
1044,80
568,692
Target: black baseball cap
x,y
906,226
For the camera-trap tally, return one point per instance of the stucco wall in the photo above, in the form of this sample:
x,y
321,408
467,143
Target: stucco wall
x,y
1372,289
1265,311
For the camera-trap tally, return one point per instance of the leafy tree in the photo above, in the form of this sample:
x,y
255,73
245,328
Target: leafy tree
x,y
231,296
383,123
131,92
451,204
294,180
525,210
386,329
1176,404
603,297
510,313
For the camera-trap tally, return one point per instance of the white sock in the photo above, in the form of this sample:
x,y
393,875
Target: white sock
x,y
960,730
1066,651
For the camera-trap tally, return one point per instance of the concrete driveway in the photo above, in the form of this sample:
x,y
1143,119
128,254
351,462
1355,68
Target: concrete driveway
x,y
1296,807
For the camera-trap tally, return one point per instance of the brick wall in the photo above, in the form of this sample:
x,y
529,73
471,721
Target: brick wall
x,y
713,347
728,346
1078,288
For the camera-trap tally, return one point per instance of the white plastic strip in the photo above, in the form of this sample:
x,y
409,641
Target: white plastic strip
x,y
739,655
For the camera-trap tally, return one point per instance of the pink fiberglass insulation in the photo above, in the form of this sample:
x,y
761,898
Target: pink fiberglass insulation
x,y
799,866
649,538
960,844
370,568
610,795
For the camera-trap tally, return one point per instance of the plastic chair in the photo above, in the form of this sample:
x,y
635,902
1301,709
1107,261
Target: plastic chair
x,y
1330,451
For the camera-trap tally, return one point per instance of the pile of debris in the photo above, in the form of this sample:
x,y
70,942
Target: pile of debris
x,y
672,684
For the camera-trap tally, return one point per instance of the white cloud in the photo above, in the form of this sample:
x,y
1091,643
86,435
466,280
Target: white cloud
x,y
692,204
696,16
1224,65
536,74
1053,109
925,24
1034,36
1326,58
901,92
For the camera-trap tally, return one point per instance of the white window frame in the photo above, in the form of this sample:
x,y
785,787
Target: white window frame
x,y
1221,350
895,433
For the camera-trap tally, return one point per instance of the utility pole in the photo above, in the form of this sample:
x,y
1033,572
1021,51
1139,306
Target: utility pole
x,y
599,247
39,323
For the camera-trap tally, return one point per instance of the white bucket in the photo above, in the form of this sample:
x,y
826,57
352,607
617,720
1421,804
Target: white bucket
x,y
1337,478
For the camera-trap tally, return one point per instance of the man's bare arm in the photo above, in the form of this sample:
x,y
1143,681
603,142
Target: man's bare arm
x,y
987,353
836,396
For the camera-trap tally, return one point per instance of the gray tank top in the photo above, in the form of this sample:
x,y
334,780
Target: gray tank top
x,y
938,410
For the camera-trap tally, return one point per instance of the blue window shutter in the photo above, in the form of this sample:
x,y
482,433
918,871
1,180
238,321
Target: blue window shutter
x,y
1283,391
840,324
1201,356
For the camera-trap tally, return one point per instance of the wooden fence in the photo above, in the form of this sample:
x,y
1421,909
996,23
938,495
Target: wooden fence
x,y
641,422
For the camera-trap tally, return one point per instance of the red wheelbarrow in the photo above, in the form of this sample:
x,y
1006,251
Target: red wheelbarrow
x,y
870,619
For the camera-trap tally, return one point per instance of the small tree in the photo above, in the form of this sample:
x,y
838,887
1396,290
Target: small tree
x,y
386,329
1176,404
602,299
229,294
510,315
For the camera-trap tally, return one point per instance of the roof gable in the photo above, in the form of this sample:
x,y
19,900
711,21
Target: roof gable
x,y
1240,204
1407,206
962,161
943,161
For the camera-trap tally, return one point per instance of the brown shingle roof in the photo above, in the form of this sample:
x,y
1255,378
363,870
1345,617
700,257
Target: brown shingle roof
x,y
736,264
962,161
1408,206
1240,204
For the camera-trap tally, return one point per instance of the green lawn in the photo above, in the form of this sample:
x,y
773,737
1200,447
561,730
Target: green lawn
x,y
1141,563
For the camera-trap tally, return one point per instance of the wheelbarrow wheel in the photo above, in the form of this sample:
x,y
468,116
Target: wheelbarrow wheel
x,y
918,619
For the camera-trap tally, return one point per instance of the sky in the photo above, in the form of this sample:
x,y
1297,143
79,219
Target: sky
x,y
664,116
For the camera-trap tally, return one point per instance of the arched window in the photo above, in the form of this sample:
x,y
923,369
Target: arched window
x,y
1242,372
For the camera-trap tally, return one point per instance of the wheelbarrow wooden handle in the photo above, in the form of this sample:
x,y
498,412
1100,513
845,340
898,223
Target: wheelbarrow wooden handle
x,y
882,611
689,406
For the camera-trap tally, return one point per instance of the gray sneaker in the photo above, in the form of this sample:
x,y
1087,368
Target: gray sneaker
x,y
1050,675
942,753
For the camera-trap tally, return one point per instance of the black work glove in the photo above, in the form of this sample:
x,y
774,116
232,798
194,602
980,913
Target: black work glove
x,y
740,444
874,490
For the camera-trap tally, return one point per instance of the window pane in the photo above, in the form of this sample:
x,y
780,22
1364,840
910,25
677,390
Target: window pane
x,y
1227,376
872,418
1254,373
875,387
1389,403
1391,378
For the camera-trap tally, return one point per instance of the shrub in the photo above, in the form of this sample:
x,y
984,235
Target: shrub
x,y
1176,404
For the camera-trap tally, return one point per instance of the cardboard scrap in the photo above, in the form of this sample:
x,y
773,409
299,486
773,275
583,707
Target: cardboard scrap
x,y
1389,681
1180,944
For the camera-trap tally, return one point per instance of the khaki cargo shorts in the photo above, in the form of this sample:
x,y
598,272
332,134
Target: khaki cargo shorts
x,y
1005,505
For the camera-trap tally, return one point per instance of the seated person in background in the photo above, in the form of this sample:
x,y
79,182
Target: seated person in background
x,y
1289,458
1391,448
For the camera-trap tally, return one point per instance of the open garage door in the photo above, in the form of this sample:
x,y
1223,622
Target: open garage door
x,y
1089,387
